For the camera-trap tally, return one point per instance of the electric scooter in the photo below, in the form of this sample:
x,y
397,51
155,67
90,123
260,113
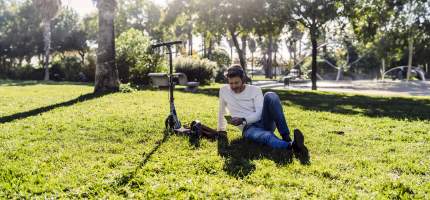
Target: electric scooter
x,y
172,122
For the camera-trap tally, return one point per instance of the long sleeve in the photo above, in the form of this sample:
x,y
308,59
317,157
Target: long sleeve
x,y
222,123
258,103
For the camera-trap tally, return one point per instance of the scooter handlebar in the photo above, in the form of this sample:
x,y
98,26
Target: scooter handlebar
x,y
165,44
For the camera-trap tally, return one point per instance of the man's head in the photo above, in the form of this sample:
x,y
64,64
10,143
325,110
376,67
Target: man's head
x,y
236,78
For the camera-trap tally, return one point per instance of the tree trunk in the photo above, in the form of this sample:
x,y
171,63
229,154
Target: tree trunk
x,y
231,55
106,79
82,54
269,58
295,59
411,51
210,48
252,64
204,45
190,42
239,51
340,70
427,68
275,63
243,39
295,54
265,65
47,43
314,59
383,69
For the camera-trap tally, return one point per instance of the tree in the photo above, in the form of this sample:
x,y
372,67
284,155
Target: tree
x,y
143,15
238,18
179,15
106,78
390,25
20,34
410,16
252,48
90,26
314,14
69,34
271,19
294,44
48,10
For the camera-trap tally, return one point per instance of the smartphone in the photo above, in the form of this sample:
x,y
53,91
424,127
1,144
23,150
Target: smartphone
x,y
228,118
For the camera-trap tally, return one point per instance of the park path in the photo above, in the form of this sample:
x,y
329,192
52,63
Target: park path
x,y
365,87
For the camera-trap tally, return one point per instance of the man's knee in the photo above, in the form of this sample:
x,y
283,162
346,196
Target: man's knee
x,y
271,96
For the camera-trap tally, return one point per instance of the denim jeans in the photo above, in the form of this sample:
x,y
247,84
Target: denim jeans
x,y
272,117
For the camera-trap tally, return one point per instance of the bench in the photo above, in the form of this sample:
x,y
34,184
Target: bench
x,y
161,80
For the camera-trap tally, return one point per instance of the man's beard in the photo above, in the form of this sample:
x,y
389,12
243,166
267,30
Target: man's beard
x,y
239,89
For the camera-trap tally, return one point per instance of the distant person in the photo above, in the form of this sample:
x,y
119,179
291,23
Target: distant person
x,y
256,115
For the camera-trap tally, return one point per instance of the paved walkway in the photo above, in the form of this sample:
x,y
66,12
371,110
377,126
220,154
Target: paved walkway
x,y
368,87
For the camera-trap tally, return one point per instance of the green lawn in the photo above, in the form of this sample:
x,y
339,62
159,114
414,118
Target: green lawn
x,y
59,141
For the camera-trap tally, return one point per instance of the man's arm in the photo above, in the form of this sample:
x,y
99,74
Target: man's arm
x,y
258,104
222,123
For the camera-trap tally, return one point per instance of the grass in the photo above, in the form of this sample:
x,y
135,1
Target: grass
x,y
59,141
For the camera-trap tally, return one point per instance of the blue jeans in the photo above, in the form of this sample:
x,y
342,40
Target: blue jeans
x,y
272,117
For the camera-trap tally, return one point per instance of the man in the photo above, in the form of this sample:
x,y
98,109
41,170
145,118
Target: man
x,y
256,115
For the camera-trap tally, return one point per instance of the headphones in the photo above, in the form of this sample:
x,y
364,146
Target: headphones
x,y
236,69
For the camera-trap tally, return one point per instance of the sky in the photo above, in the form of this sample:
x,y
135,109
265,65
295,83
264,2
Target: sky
x,y
84,7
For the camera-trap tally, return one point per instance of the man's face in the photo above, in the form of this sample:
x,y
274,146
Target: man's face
x,y
236,84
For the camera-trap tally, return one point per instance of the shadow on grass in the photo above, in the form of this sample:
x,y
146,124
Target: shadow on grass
x,y
128,177
41,110
392,107
239,154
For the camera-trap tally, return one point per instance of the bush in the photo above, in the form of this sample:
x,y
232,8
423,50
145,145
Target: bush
x,y
67,69
222,58
134,58
199,70
89,68
27,72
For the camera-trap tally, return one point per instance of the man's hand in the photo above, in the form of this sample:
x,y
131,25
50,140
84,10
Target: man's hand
x,y
222,132
236,121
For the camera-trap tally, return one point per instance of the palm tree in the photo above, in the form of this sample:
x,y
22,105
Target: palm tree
x,y
106,79
48,10
252,47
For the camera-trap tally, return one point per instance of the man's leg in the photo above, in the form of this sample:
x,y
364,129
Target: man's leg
x,y
274,115
262,136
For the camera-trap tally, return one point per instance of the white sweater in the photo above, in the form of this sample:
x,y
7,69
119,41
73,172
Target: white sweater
x,y
248,104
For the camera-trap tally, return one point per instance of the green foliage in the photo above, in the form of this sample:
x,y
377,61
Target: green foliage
x,y
199,70
89,67
222,58
66,69
26,72
127,88
67,33
141,15
134,59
